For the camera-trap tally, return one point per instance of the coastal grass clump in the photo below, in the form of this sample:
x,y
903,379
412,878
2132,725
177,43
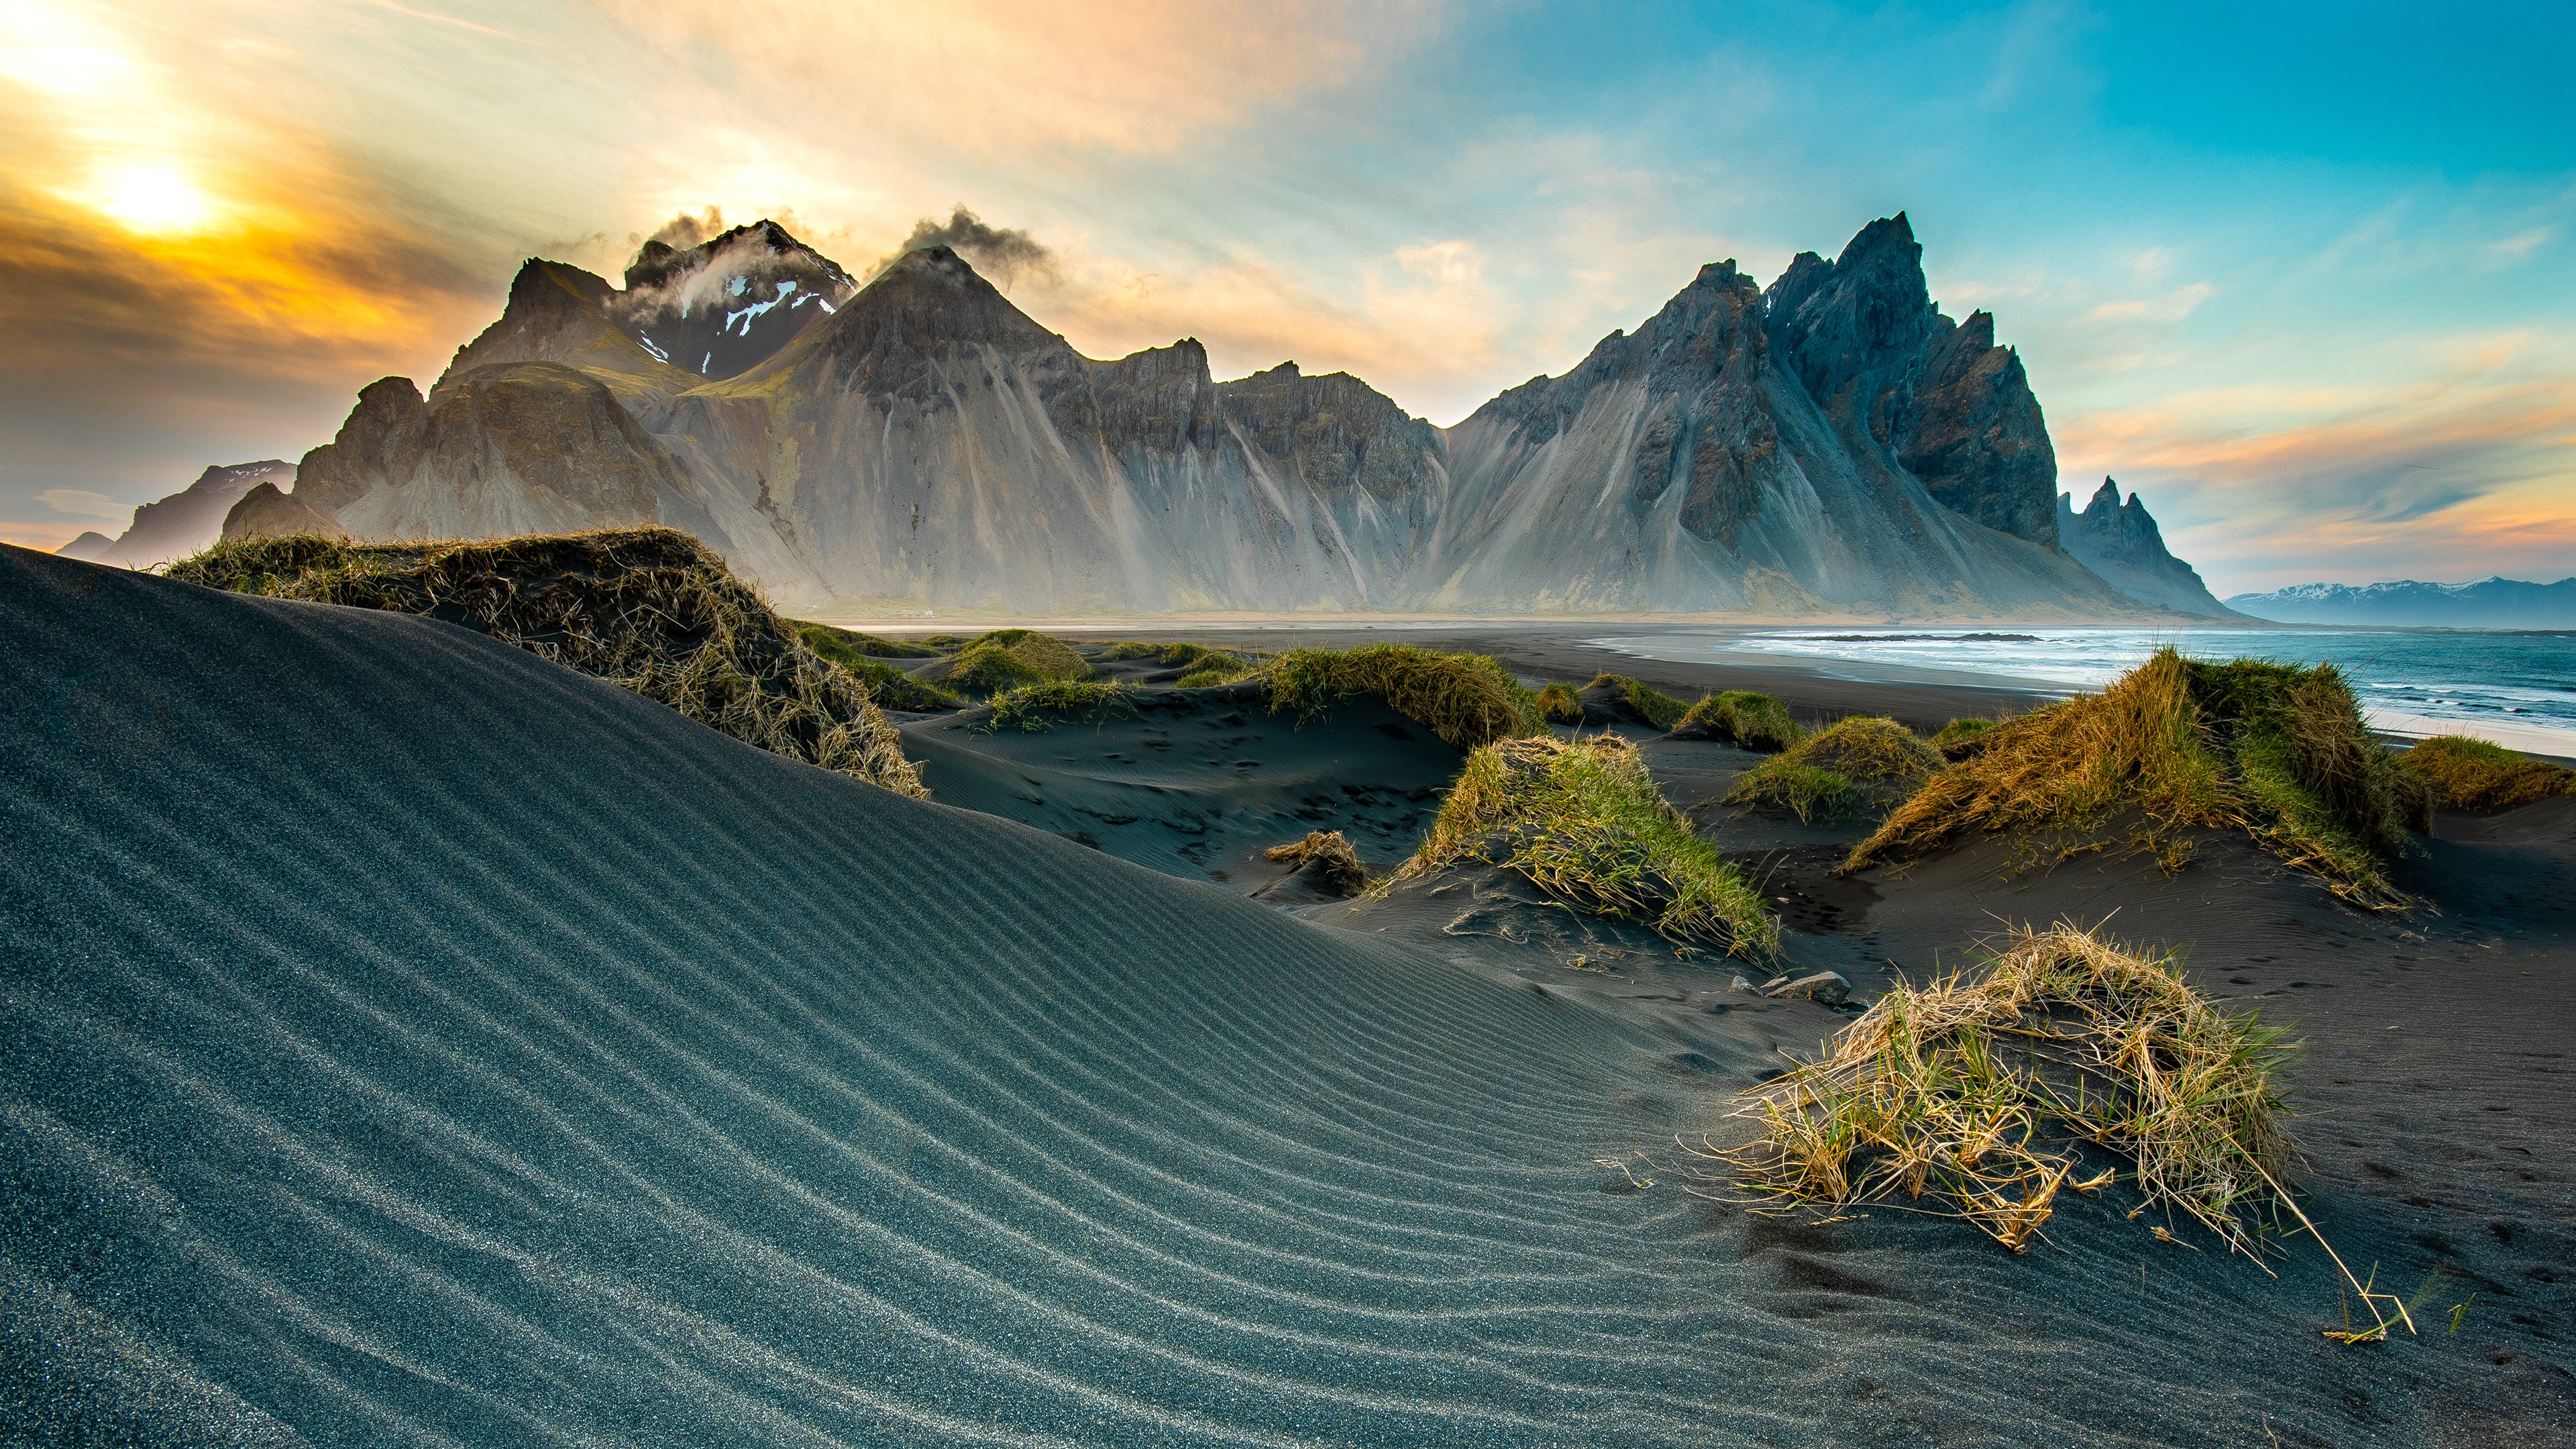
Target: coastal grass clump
x,y
2470,774
1007,659
1327,856
1039,706
1741,717
891,687
649,609
1961,738
1468,700
1860,760
1558,705
1200,665
1978,1098
2278,750
864,645
1583,821
1653,706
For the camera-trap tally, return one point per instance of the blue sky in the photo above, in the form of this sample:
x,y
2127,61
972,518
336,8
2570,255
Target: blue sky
x,y
2302,275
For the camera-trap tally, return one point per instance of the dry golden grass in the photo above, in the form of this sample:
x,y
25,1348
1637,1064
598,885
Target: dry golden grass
x,y
2277,750
1979,1097
2471,774
1468,700
1329,855
650,609
1584,822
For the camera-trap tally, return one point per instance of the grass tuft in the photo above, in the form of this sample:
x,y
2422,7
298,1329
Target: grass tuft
x,y
1981,1098
1741,717
1007,659
1035,707
1558,705
1855,761
1468,700
2278,750
649,609
1655,708
1327,855
865,645
1961,738
2471,774
1584,822
891,687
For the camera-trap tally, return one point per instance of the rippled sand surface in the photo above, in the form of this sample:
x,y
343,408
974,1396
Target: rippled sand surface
x,y
408,1041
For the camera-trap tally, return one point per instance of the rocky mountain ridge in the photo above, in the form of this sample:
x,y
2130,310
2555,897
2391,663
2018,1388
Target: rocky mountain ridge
x,y
2120,541
923,443
185,521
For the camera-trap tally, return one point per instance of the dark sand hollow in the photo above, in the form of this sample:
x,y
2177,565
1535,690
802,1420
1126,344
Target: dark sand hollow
x,y
408,1041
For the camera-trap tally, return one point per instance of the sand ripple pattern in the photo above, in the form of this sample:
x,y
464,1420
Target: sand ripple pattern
x,y
409,1042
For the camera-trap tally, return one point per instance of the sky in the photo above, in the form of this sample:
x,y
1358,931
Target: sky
x,y
2303,276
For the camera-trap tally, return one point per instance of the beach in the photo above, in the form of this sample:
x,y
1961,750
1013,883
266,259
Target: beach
x,y
413,1041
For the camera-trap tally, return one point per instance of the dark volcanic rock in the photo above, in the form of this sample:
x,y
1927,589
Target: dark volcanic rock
x,y
1975,435
725,306
2122,543
379,446
264,512
1939,398
1334,431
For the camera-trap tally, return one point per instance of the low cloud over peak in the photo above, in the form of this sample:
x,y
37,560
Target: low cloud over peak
x,y
1004,254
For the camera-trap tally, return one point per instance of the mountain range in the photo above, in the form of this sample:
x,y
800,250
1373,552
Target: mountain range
x,y
2497,603
1831,445
182,523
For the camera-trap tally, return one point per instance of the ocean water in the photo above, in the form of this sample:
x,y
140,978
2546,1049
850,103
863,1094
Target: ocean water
x,y
2515,688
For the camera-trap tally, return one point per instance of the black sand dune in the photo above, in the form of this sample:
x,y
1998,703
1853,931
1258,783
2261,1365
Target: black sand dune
x,y
408,1041
1196,783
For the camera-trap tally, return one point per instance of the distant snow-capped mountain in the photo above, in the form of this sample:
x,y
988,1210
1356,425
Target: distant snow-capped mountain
x,y
2496,603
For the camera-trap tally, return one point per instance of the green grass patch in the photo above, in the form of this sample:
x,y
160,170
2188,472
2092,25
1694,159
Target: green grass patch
x,y
1039,706
1007,659
851,641
2278,750
1863,760
649,609
1558,704
1741,717
1468,700
892,688
1653,707
2471,774
1961,738
1584,822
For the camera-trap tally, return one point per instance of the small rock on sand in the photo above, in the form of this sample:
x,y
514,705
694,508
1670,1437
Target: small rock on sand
x,y
1827,987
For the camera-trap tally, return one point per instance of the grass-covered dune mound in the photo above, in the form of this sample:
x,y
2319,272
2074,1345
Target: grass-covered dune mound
x,y
1740,717
1198,665
1614,698
1584,822
1468,700
649,609
1005,659
2471,774
1961,738
1983,1097
1043,705
2278,750
1863,760
893,688
1558,705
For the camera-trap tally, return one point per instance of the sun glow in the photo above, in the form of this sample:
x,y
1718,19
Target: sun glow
x,y
156,200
